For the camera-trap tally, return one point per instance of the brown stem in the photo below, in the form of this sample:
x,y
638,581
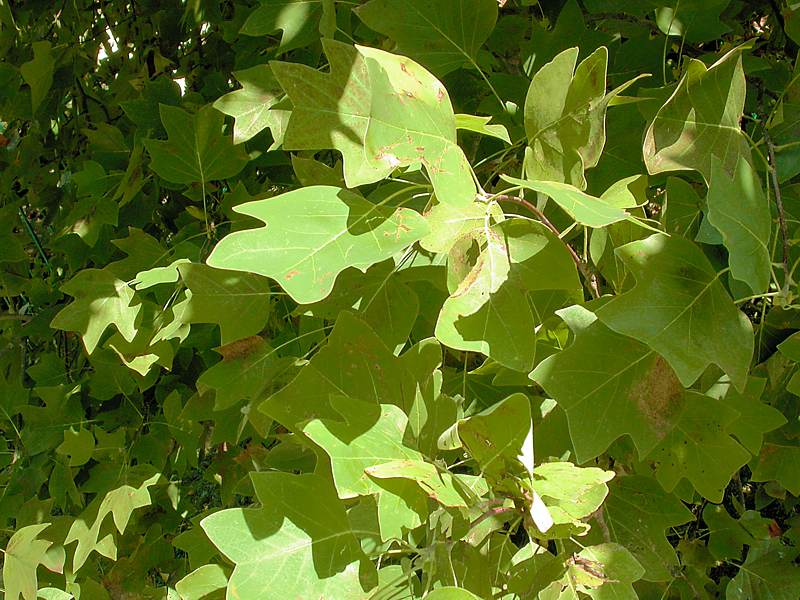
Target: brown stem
x,y
586,271
491,513
779,203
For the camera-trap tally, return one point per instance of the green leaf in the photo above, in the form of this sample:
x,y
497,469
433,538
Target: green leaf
x,y
248,368
370,435
379,297
700,121
298,20
604,572
251,106
237,302
101,300
610,385
206,583
381,111
23,554
481,125
779,460
356,363
739,210
196,150
680,309
755,417
315,233
565,113
583,208
443,38
700,449
78,445
301,529
770,572
495,436
490,311
571,494
727,536
442,486
636,514
449,223
38,73
119,502
683,208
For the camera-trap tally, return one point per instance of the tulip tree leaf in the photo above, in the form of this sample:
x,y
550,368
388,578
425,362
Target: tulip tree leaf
x,y
444,487
755,416
38,73
565,117
779,460
637,514
381,111
313,234
23,554
700,121
770,571
494,437
202,582
101,300
298,20
490,311
571,493
237,302
585,209
197,150
357,363
610,385
371,434
451,593
443,37
680,309
301,528
739,210
251,106
120,503
700,449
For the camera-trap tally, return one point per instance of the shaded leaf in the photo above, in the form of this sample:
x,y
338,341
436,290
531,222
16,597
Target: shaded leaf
x,y
196,150
442,37
680,309
301,528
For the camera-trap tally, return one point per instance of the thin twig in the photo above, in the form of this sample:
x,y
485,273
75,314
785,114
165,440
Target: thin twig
x,y
586,271
773,170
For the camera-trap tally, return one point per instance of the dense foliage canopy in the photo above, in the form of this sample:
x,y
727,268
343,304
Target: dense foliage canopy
x,y
399,299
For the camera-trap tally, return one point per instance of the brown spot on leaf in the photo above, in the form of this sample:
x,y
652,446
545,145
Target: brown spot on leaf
x,y
291,274
240,348
658,396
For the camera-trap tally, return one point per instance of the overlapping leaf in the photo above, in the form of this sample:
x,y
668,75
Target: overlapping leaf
x,y
381,111
680,309
490,311
197,150
302,529
700,121
313,234
443,37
